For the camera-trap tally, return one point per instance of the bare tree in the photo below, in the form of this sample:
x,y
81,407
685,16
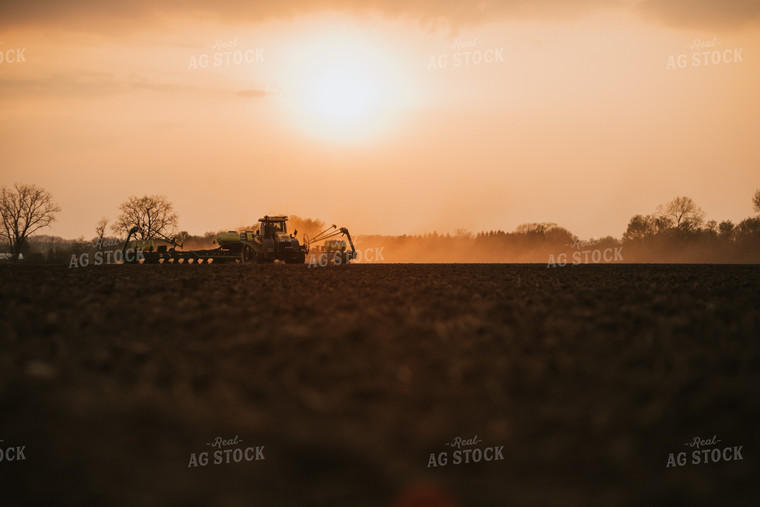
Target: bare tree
x,y
756,201
100,230
152,214
25,209
684,212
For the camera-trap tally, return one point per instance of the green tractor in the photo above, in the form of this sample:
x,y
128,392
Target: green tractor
x,y
271,242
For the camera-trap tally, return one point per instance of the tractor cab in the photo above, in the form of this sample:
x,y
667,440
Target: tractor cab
x,y
271,227
276,243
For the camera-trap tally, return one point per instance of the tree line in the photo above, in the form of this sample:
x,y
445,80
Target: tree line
x,y
677,231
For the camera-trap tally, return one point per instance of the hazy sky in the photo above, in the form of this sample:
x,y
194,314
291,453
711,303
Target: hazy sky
x,y
389,117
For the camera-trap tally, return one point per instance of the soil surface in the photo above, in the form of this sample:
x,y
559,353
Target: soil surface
x,y
582,380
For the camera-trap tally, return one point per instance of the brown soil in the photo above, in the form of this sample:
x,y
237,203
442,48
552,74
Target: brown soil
x,y
350,377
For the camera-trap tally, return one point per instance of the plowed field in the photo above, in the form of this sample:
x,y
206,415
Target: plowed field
x,y
581,380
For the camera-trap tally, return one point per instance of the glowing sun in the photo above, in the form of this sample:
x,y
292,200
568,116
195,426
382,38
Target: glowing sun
x,y
344,89
343,93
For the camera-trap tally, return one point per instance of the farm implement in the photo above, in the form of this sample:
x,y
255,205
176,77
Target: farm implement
x,y
269,243
333,250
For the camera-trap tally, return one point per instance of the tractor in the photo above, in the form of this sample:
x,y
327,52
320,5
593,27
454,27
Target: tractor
x,y
269,243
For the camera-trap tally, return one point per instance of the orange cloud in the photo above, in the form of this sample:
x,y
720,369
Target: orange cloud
x,y
129,15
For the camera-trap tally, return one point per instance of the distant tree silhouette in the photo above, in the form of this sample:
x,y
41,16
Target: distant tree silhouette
x,y
24,210
677,232
639,228
748,230
153,215
756,201
535,228
642,227
544,232
684,213
726,229
100,230
559,236
661,223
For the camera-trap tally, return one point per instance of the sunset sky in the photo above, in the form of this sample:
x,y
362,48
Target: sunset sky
x,y
389,117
